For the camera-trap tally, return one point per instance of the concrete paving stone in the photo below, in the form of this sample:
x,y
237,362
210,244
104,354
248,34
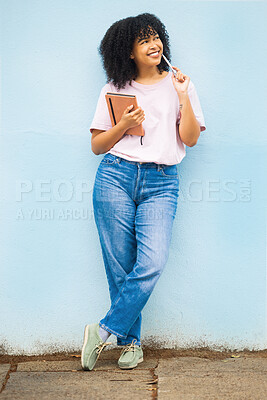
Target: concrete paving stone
x,y
94,385
75,364
4,368
111,364
39,366
171,366
193,378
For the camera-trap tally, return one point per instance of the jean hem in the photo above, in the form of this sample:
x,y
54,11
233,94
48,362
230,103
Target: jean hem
x,y
111,331
138,343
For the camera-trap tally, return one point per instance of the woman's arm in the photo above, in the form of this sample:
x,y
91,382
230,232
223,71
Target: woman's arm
x,y
103,141
189,128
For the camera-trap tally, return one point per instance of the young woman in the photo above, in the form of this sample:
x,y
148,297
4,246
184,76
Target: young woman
x,y
136,186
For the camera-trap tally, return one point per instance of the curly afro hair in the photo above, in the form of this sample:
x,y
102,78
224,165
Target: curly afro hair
x,y
117,44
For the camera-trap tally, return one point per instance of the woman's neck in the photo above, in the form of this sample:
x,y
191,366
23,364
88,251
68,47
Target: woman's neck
x,y
150,76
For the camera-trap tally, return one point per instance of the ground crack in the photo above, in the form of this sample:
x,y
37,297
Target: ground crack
x,y
13,368
154,382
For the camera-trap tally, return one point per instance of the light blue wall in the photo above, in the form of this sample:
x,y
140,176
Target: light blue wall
x,y
52,282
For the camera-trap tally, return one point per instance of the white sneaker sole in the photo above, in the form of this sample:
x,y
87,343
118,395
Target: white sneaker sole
x,y
85,340
133,366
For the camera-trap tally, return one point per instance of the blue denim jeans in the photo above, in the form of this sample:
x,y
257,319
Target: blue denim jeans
x,y
134,209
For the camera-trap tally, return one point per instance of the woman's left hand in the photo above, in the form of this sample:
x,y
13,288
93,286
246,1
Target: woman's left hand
x,y
181,81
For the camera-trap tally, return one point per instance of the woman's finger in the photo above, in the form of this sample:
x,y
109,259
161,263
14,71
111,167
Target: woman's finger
x,y
179,75
128,108
140,120
137,111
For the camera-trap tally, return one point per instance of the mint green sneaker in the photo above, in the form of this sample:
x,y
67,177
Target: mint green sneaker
x,y
131,356
92,346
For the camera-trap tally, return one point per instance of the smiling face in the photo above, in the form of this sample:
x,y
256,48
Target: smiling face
x,y
147,51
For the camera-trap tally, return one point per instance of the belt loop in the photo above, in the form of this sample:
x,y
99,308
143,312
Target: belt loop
x,y
118,160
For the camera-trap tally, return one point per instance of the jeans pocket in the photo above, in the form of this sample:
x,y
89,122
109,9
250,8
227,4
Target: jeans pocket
x,y
109,159
169,171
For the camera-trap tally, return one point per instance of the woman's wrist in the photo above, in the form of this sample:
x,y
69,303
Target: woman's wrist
x,y
122,126
182,95
183,99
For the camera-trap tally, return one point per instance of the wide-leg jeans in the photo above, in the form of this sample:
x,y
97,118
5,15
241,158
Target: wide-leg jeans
x,y
134,208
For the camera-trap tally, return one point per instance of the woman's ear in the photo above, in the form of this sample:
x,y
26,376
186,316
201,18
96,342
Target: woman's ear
x,y
132,56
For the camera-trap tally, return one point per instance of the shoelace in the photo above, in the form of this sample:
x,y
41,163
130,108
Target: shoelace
x,y
101,347
129,347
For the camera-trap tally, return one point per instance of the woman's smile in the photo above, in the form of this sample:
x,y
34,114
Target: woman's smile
x,y
155,54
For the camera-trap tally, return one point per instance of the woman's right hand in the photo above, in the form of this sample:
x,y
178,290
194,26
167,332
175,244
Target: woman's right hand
x,y
130,119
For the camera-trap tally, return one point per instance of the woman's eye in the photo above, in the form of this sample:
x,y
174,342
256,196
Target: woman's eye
x,y
145,41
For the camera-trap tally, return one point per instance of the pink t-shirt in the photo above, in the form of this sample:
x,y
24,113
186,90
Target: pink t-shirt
x,y
160,102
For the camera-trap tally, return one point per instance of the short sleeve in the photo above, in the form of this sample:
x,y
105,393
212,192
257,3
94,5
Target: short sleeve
x,y
195,104
101,119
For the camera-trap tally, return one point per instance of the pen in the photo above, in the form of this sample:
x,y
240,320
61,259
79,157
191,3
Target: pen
x,y
169,64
